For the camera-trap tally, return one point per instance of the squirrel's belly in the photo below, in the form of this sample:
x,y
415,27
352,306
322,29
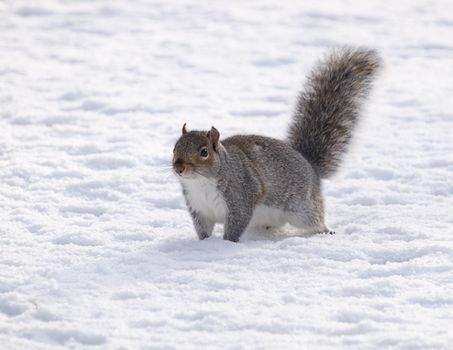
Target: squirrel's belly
x,y
268,216
204,197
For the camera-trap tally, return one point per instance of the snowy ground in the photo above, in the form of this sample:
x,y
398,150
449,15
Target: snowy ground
x,y
96,246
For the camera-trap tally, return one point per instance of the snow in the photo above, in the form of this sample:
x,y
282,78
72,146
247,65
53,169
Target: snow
x,y
97,249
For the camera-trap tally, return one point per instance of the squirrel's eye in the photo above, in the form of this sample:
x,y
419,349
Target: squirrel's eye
x,y
204,152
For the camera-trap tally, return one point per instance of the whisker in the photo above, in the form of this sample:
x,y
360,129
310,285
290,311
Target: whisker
x,y
170,177
168,169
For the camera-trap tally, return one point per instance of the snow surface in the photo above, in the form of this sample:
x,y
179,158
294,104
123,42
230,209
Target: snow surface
x,y
97,249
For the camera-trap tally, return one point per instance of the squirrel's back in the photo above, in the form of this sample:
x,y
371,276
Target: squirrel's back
x,y
279,167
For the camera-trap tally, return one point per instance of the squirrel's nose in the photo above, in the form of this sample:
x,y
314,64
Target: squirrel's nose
x,y
179,167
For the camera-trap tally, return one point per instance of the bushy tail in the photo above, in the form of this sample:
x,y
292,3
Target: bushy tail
x,y
328,109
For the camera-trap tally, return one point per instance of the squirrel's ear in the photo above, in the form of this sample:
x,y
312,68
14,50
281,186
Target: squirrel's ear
x,y
214,136
184,130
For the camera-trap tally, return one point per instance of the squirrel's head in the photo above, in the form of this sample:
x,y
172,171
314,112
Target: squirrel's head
x,y
196,153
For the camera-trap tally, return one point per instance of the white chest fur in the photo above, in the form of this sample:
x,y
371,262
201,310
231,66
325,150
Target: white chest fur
x,y
204,197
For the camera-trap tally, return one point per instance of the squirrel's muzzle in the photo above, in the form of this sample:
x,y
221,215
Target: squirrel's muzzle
x,y
179,167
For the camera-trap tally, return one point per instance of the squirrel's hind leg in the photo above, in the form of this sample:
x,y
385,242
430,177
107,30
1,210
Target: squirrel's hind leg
x,y
310,218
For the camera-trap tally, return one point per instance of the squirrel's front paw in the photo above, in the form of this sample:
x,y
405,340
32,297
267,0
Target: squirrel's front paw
x,y
231,238
203,235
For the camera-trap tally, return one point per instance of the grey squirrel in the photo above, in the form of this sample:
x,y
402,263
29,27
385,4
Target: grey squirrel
x,y
249,180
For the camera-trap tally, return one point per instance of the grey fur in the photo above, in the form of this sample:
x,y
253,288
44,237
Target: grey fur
x,y
275,175
256,173
328,109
